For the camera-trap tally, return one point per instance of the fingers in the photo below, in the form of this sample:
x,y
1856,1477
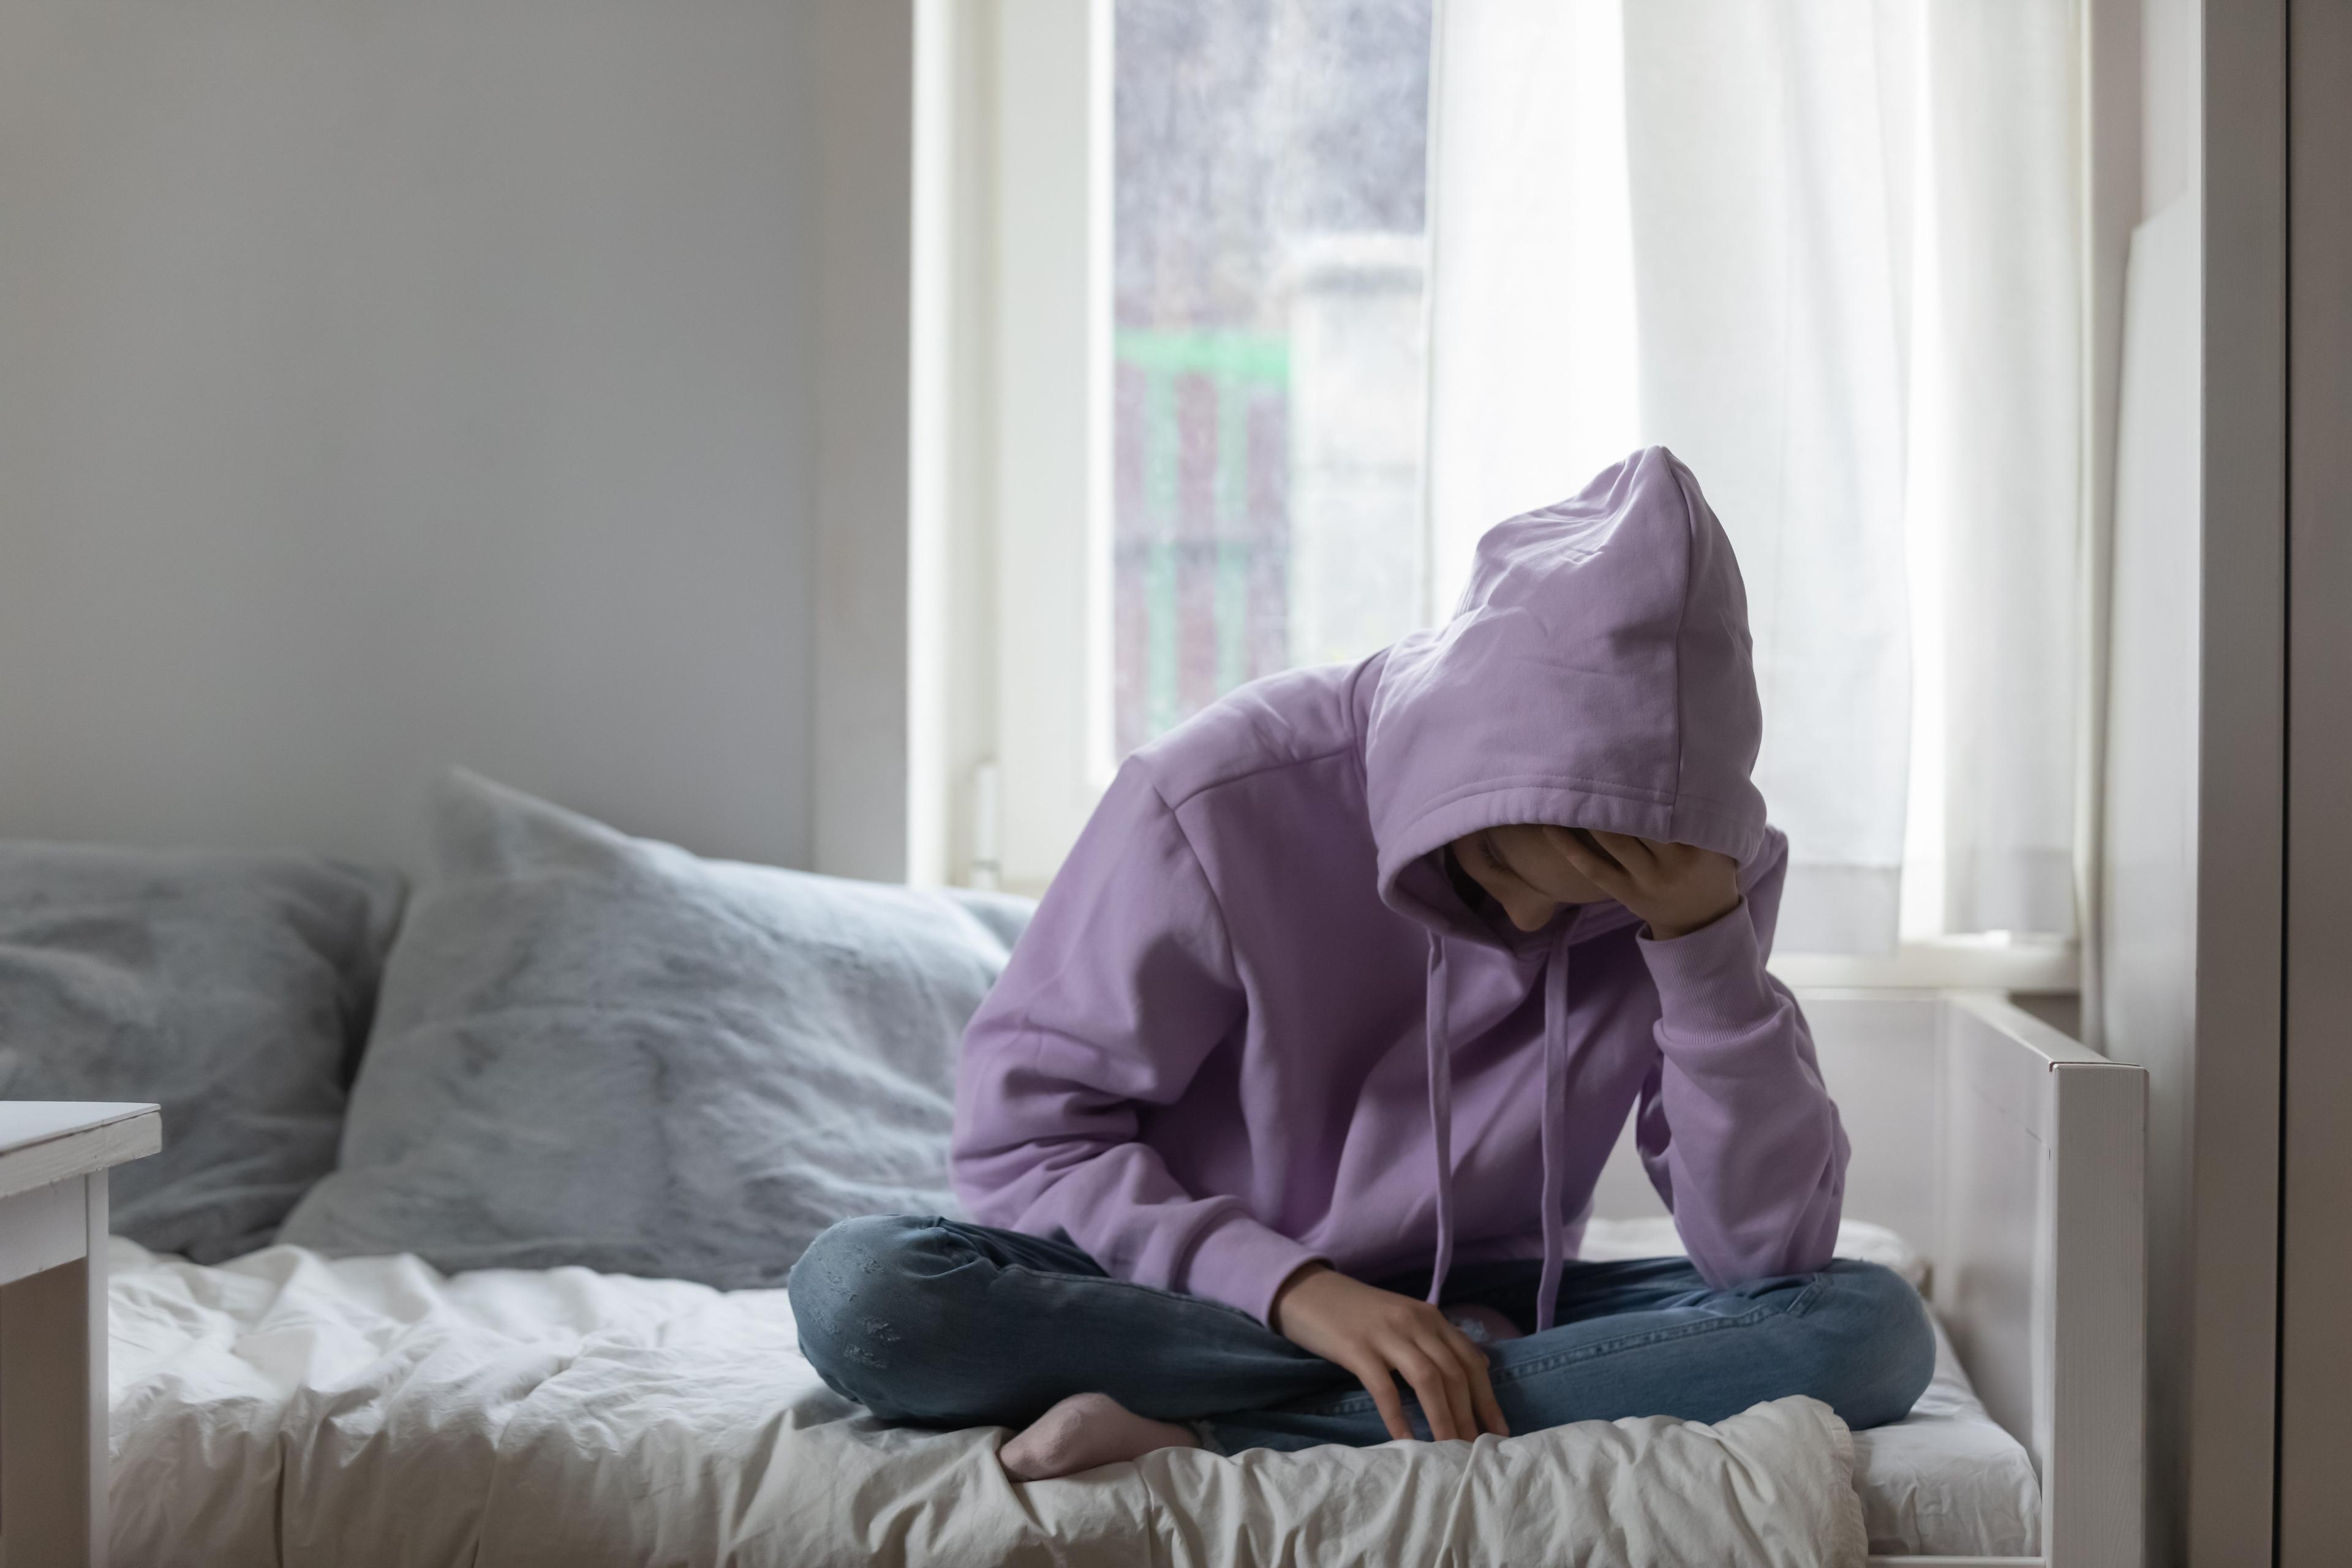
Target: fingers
x,y
1428,1380
1382,1339
1638,856
1490,1409
1439,1346
1456,1398
1591,846
1487,1411
1379,1382
1609,879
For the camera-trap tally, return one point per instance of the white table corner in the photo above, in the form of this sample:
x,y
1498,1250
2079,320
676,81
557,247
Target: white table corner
x,y
54,1160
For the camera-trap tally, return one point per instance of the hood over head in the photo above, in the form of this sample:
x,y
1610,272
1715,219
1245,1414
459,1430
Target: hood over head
x,y
1598,674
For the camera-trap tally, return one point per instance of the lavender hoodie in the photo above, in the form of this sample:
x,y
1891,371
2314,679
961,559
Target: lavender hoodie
x,y
1253,1024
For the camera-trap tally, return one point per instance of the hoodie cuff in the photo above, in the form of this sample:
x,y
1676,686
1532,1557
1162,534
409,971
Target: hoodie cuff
x,y
1711,981
1242,1264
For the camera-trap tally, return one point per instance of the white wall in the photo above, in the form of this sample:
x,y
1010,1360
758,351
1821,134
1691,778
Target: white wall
x,y
2172,97
2149,995
386,383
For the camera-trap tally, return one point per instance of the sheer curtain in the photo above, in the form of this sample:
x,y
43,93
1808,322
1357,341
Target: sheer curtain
x,y
1826,251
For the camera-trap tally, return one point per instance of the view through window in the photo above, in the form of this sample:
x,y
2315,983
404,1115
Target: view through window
x,y
1269,361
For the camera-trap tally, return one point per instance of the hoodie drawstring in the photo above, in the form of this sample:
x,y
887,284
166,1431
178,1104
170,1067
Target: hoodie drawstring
x,y
1440,1110
1554,1123
1553,1119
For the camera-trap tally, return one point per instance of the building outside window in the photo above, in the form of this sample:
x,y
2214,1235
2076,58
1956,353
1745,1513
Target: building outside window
x,y
1267,236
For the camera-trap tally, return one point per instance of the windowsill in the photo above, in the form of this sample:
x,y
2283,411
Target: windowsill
x,y
1997,963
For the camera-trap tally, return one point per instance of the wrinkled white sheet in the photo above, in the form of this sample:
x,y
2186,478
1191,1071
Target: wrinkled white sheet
x,y
286,1410
1945,1481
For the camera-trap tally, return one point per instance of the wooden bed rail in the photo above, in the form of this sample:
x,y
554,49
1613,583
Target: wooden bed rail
x,y
2013,1158
2041,1269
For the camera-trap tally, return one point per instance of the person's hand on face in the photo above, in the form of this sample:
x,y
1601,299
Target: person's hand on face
x,y
1531,869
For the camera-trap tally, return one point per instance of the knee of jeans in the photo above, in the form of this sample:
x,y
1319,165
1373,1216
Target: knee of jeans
x,y
1871,1352
859,1304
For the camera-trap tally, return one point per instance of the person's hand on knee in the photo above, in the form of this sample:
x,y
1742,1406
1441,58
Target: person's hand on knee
x,y
1379,1336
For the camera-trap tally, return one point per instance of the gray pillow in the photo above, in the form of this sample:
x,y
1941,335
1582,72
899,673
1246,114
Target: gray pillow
x,y
233,989
600,1050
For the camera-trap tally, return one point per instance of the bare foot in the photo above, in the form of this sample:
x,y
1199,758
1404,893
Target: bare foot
x,y
1082,1431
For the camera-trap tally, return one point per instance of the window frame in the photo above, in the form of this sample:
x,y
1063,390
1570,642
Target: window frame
x,y
1010,706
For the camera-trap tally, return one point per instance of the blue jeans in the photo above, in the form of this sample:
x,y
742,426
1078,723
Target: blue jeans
x,y
944,1324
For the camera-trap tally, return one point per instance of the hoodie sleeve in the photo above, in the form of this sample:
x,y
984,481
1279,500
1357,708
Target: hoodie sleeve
x,y
1117,992
1738,1133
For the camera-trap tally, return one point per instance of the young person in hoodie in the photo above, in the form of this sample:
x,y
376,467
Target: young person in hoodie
x,y
1291,1101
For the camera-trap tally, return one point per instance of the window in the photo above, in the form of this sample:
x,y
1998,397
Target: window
x,y
1268,246
1257,312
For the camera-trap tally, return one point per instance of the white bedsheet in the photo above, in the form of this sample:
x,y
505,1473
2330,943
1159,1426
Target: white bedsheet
x,y
1945,1481
287,1410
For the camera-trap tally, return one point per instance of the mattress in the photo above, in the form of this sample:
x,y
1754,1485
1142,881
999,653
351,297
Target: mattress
x,y
288,1409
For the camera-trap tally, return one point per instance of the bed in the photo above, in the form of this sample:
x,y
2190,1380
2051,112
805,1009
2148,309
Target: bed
x,y
288,1408
463,1240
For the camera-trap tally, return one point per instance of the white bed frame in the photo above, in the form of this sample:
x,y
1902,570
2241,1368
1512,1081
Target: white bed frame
x,y
2028,1204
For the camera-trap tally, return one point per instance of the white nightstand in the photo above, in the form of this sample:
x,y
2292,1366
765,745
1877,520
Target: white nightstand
x,y
54,1156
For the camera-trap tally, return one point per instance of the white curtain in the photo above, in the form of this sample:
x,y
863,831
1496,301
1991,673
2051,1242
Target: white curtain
x,y
1825,249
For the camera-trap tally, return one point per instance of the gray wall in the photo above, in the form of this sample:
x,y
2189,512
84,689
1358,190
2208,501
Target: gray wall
x,y
2195,836
387,384
2314,1519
